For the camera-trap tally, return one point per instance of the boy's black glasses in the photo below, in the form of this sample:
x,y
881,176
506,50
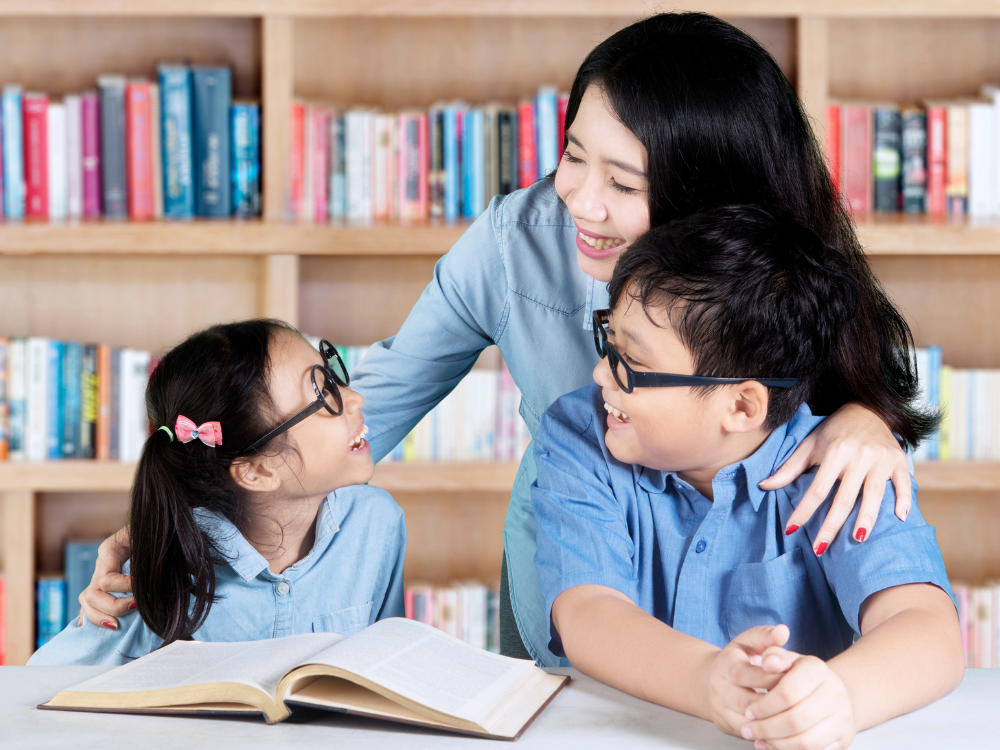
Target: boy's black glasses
x,y
635,379
327,393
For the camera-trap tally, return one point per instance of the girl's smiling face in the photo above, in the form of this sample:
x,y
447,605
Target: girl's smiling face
x,y
602,180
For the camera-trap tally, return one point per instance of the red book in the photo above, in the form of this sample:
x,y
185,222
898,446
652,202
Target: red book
x,y
414,154
856,157
36,152
527,149
90,153
562,103
407,604
320,155
297,160
937,159
103,443
833,144
139,149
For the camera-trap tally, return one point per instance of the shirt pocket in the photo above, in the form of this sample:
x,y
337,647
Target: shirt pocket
x,y
770,593
347,621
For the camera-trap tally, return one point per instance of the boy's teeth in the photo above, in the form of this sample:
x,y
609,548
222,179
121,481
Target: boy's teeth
x,y
602,243
619,415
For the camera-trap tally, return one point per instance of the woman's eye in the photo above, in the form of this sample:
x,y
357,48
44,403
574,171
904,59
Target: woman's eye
x,y
622,188
570,158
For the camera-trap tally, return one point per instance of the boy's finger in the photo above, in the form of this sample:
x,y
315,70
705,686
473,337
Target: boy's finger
x,y
777,660
800,460
745,675
828,473
843,503
823,735
800,718
756,640
797,684
904,491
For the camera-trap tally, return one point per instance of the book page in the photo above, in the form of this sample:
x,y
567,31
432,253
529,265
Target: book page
x,y
429,667
260,664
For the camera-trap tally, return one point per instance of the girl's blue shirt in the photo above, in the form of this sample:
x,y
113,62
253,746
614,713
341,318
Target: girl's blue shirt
x,y
512,280
352,576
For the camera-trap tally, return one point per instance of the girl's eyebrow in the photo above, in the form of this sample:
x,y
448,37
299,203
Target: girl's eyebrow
x,y
613,162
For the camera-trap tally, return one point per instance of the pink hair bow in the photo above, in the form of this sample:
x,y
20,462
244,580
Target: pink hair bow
x,y
210,433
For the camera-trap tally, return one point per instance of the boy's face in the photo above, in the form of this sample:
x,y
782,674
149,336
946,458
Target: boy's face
x,y
671,429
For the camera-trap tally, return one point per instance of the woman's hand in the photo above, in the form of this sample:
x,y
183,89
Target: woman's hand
x,y
808,708
735,676
99,606
855,446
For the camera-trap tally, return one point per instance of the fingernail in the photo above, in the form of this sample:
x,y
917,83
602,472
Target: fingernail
x,y
906,513
862,532
792,528
109,625
133,605
749,715
821,548
760,745
747,734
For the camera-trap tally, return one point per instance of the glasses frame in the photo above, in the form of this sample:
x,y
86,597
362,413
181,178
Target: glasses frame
x,y
635,379
331,380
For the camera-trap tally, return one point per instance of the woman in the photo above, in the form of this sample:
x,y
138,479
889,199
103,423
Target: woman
x,y
676,113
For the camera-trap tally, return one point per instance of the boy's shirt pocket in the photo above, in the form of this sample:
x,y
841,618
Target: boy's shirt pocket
x,y
347,621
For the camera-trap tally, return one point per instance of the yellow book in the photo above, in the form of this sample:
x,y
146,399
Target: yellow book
x,y
944,435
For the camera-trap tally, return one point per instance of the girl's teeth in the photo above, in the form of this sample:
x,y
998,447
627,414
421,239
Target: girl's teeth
x,y
601,243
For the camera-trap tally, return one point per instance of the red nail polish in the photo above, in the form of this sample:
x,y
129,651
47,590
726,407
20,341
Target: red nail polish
x,y
792,529
109,625
132,606
862,533
821,548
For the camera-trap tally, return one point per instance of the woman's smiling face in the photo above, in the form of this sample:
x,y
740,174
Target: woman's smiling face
x,y
602,180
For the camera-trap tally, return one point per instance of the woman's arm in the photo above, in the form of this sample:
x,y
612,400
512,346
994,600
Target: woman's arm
x,y
856,447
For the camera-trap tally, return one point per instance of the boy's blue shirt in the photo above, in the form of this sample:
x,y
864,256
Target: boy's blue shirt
x,y
711,569
352,576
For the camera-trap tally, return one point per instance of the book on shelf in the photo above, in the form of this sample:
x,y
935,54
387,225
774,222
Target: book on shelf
x,y
979,621
50,598
391,670
139,137
57,161
177,156
887,165
467,610
913,152
3,620
80,563
245,139
13,152
4,398
35,134
211,97
114,147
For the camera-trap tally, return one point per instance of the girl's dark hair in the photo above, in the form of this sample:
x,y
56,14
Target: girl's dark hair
x,y
220,374
721,125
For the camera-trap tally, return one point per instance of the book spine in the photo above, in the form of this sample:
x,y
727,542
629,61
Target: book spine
x,y
305,203
55,160
506,161
178,168
296,164
548,154
102,441
958,160
412,168
88,402
36,177
887,160
319,154
1,160
56,404
562,104
435,172
490,172
4,396
937,161
139,161
527,149
982,135
246,160
856,157
90,154
914,123
156,149
13,152
81,560
451,140
338,168
212,97
383,166
51,602
74,157
17,392
70,393
114,422
36,399
833,143
114,178
423,207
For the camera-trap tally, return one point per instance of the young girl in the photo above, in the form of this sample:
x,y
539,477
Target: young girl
x,y
249,514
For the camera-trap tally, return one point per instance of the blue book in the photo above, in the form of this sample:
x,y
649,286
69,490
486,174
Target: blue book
x,y
70,398
211,95
472,163
13,153
547,123
50,595
55,402
934,357
246,159
81,559
452,138
175,105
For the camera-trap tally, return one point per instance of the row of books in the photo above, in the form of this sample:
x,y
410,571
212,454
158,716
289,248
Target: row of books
x,y
57,596
969,401
363,164
939,159
467,610
3,620
979,619
175,149
64,399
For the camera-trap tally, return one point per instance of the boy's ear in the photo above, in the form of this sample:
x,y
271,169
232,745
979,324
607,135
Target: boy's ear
x,y
255,475
747,408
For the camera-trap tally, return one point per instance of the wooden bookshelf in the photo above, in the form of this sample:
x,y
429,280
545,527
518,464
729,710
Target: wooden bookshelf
x,y
148,285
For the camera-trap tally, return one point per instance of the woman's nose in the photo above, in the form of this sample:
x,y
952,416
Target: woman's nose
x,y
585,204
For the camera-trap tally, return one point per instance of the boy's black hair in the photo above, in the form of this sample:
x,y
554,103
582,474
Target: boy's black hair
x,y
748,294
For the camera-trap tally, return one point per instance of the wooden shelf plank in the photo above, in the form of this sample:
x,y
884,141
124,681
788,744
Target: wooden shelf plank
x,y
933,476
921,235
114,476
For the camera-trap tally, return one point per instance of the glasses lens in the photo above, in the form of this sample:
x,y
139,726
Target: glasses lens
x,y
325,386
332,358
618,369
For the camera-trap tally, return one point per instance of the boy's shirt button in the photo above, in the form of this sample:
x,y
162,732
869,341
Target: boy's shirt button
x,y
283,588
700,547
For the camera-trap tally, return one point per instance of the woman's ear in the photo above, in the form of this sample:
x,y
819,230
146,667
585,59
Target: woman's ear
x,y
255,475
748,408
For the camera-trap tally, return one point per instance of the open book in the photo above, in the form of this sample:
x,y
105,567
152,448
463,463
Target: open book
x,y
399,670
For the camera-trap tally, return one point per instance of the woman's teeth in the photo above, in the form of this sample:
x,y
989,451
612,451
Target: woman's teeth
x,y
602,243
359,441
619,415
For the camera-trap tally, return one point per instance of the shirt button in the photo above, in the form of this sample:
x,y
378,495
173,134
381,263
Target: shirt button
x,y
700,547
283,588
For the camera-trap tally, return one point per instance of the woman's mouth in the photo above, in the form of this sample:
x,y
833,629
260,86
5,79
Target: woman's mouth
x,y
358,442
598,248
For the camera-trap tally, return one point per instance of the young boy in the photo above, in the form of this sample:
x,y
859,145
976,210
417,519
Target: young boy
x,y
666,571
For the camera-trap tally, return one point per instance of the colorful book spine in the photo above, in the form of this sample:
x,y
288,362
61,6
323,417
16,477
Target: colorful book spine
x,y
74,156
90,146
36,169
139,161
452,150
983,136
527,149
856,157
412,168
58,167
51,601
55,406
914,177
435,174
473,164
114,175
17,395
13,152
246,159
114,427
338,168
36,400
562,104
957,188
178,165
70,399
211,95
937,160
507,134
296,161
384,167
319,157
87,442
546,112
156,148
102,445
887,163
833,143
80,562
4,398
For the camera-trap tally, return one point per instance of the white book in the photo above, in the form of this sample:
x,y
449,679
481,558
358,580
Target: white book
x,y
74,157
982,137
360,126
487,414
384,165
58,163
447,426
36,430
960,415
994,377
17,391
155,120
992,91
980,404
132,410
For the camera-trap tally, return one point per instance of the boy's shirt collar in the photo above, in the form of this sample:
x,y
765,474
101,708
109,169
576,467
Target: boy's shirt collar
x,y
757,467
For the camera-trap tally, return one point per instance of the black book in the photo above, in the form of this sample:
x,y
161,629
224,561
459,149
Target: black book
x,y
888,158
435,175
508,154
88,403
914,161
212,96
114,180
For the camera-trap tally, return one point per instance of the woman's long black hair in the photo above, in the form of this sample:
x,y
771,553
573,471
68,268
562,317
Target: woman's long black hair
x,y
722,125
220,374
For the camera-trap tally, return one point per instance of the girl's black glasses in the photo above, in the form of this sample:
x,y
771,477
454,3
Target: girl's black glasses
x,y
635,379
328,397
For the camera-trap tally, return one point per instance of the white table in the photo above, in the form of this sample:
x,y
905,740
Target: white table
x,y
586,714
